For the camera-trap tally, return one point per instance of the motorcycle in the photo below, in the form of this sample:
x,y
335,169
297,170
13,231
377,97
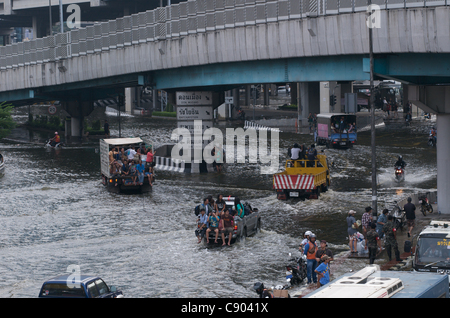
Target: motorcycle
x,y
49,145
296,272
399,174
431,140
425,206
274,292
399,216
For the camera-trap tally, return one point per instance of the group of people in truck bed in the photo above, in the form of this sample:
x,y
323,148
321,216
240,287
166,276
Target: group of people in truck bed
x,y
134,162
215,216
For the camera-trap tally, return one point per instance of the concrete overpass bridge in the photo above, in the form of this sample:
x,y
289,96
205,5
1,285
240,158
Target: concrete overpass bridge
x,y
218,45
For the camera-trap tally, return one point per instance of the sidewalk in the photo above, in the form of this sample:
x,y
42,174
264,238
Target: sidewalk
x,y
402,236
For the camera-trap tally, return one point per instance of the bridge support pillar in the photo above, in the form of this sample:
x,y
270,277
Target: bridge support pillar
x,y
443,163
436,99
308,102
77,111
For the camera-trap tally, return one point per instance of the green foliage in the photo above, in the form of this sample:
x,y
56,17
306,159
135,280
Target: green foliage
x,y
96,125
288,107
165,114
52,123
6,121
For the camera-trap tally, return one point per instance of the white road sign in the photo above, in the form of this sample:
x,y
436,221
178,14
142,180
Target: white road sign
x,y
195,113
194,98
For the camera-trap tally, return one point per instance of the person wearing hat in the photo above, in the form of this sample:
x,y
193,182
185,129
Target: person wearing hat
x,y
352,229
323,271
305,240
323,250
366,220
55,140
311,263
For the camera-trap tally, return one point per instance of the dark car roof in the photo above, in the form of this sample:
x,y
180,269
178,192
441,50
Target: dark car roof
x,y
63,279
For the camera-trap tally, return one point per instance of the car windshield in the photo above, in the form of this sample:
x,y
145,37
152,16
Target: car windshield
x,y
433,251
62,290
102,287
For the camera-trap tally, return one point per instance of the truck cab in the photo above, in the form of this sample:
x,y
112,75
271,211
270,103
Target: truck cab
x,y
81,286
432,252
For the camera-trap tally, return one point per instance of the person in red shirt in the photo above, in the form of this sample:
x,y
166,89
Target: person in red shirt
x,y
55,140
227,226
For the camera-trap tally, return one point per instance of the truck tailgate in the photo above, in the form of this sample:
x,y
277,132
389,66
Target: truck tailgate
x,y
300,182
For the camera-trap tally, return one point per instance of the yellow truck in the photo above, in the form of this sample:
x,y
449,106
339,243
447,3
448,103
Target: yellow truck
x,y
303,179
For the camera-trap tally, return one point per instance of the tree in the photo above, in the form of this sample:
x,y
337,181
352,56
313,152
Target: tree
x,y
6,121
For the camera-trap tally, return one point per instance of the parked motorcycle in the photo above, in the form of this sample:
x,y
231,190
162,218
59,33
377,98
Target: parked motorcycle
x,y
399,216
399,174
296,270
425,206
274,292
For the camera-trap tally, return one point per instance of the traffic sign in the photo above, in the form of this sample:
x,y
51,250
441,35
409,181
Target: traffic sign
x,y
52,109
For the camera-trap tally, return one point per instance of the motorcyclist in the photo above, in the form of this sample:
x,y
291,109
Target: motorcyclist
x,y
55,140
433,133
400,162
261,291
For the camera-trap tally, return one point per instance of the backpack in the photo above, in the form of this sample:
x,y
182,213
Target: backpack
x,y
197,210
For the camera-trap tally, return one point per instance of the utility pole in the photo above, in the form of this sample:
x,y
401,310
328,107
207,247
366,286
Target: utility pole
x,y
61,17
372,112
50,15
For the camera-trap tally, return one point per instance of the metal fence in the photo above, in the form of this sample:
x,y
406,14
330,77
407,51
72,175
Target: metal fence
x,y
179,20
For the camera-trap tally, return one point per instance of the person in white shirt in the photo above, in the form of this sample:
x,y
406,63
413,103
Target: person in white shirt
x,y
130,153
295,152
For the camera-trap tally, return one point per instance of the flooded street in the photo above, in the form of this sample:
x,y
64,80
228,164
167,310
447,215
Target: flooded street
x,y
55,212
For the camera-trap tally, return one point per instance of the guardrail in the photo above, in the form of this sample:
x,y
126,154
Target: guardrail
x,y
179,20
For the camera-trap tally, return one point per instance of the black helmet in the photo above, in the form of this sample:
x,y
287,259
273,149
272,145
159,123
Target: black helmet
x,y
400,157
409,199
258,287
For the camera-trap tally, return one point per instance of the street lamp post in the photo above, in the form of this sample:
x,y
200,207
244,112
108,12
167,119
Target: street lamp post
x,y
61,16
372,112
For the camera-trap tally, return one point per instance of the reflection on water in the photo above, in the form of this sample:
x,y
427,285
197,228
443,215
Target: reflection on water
x,y
55,212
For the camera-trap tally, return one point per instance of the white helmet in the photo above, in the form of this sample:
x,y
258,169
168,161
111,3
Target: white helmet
x,y
308,233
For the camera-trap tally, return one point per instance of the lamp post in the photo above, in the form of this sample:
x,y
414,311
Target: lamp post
x,y
61,18
372,112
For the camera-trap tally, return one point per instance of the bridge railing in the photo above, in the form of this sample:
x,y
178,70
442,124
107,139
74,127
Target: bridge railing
x,y
179,20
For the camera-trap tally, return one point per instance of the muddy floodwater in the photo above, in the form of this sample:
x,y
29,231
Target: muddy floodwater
x,y
54,212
